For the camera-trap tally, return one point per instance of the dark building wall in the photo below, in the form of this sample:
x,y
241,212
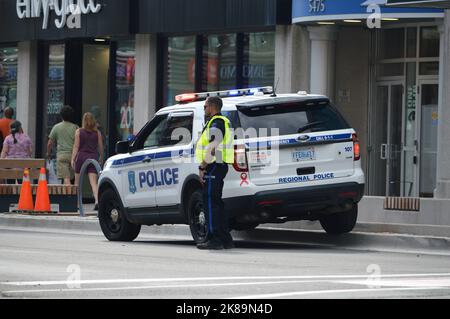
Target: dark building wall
x,y
122,17
189,16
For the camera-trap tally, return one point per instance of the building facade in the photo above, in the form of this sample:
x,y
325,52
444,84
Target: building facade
x,y
123,60
381,67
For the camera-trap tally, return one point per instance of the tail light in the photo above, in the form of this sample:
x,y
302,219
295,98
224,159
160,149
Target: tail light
x,y
356,148
240,159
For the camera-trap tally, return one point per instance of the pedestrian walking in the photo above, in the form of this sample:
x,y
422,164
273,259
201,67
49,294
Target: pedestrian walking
x,y
214,152
5,124
88,145
63,135
17,144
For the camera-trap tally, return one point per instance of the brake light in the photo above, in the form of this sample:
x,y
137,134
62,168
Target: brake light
x,y
240,159
356,148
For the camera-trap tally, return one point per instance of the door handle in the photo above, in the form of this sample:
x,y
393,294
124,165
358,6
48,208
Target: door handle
x,y
147,160
384,152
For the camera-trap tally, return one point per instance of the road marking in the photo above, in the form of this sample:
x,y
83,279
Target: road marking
x,y
438,282
120,281
164,286
337,291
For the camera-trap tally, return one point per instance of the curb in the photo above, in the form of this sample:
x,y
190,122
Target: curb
x,y
383,242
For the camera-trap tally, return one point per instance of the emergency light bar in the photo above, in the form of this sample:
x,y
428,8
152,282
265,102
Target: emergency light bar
x,y
191,97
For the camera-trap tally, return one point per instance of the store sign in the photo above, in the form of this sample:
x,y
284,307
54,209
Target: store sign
x,y
316,6
323,10
68,12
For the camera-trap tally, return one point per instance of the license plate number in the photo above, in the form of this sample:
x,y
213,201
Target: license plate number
x,y
304,155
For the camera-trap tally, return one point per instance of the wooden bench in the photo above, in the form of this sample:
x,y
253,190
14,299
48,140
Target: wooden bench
x,y
64,195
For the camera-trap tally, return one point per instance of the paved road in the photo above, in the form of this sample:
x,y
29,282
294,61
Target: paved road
x,y
68,265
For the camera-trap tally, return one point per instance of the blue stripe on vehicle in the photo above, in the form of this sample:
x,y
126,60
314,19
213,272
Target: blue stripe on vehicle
x,y
323,138
210,200
157,156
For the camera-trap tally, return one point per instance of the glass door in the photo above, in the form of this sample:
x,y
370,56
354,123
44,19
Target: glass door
x,y
95,92
427,145
387,150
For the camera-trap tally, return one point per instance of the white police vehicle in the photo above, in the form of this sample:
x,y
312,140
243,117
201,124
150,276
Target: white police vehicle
x,y
296,158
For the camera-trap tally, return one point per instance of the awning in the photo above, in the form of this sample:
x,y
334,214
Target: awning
x,y
334,10
420,3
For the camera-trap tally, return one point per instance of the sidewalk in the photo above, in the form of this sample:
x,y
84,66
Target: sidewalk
x,y
361,239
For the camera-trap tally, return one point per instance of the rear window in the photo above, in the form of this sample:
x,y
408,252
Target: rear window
x,y
291,118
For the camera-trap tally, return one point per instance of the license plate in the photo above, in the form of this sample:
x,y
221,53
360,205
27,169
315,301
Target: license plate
x,y
260,157
304,155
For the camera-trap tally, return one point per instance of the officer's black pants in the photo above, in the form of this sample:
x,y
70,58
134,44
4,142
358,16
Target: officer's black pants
x,y
213,204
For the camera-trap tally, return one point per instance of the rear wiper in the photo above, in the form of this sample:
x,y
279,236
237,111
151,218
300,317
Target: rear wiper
x,y
308,126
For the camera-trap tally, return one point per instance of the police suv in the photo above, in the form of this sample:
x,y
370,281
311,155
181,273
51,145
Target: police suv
x,y
296,158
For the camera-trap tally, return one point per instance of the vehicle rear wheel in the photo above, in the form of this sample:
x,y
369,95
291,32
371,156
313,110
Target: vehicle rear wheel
x,y
113,223
340,223
197,217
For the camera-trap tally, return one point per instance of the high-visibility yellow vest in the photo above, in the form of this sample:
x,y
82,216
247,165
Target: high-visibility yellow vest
x,y
226,147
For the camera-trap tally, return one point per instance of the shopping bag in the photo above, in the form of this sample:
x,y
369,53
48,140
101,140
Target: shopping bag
x,y
52,177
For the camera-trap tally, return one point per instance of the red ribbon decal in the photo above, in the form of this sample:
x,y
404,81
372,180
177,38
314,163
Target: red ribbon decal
x,y
244,178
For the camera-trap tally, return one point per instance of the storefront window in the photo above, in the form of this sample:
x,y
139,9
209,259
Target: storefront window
x,y
180,66
392,44
8,77
55,87
125,72
391,69
429,42
229,61
219,62
411,43
259,55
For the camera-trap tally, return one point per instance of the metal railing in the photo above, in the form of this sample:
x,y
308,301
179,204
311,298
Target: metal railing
x,y
83,170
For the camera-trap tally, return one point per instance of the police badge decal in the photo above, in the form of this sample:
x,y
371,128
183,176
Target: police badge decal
x,y
132,182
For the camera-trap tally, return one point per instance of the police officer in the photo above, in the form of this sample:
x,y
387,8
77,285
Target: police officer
x,y
214,152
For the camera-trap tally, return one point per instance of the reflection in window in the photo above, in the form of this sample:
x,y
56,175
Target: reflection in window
x,y
219,62
180,66
391,69
429,68
125,77
259,57
8,77
228,61
429,42
160,124
392,43
411,43
55,86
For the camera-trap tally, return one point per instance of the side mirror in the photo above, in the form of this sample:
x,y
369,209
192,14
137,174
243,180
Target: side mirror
x,y
123,147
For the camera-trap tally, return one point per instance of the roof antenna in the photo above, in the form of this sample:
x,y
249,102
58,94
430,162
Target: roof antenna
x,y
274,93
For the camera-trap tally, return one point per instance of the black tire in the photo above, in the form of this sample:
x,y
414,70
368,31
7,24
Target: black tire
x,y
340,223
112,220
197,218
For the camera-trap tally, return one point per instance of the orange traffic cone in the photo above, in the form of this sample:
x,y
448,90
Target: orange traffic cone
x,y
42,197
26,196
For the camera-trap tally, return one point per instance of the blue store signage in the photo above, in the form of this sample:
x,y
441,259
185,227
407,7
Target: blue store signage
x,y
322,10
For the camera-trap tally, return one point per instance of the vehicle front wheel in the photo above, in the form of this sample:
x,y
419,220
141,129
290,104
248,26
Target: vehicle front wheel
x,y
113,223
197,217
340,223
